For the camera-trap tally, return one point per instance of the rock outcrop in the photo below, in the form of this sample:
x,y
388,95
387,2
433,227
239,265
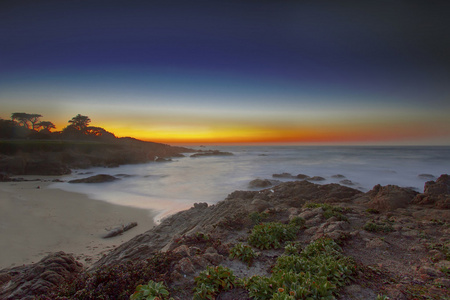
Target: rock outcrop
x,y
390,197
28,281
436,193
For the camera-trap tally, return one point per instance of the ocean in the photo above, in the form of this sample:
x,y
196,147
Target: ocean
x,y
170,187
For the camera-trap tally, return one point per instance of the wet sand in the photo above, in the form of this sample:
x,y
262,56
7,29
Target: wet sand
x,y
36,220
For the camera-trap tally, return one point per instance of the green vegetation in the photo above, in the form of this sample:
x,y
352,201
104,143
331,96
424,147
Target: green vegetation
x,y
257,217
151,291
292,248
212,281
374,227
329,210
271,235
244,253
315,273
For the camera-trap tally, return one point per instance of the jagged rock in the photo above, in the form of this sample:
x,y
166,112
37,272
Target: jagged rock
x,y
260,183
346,182
389,197
436,193
236,207
426,176
28,281
339,176
95,179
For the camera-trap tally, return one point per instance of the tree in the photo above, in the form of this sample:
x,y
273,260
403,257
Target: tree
x,y
45,125
25,119
34,118
79,122
21,118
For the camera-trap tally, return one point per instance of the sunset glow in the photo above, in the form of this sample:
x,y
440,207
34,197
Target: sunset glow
x,y
232,73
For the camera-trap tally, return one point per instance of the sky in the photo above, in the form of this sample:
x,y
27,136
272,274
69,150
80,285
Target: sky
x,y
210,72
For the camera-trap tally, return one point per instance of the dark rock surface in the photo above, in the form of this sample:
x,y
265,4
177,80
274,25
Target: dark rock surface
x,y
436,193
390,197
27,281
95,179
211,153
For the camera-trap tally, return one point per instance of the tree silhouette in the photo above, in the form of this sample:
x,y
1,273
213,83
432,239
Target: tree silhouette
x,y
45,125
25,119
79,122
34,118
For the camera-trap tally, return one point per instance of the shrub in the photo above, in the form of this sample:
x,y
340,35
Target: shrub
x,y
257,217
151,291
271,235
315,273
212,281
244,253
329,210
373,227
292,248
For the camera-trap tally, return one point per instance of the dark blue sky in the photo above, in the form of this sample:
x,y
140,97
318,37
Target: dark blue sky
x,y
304,55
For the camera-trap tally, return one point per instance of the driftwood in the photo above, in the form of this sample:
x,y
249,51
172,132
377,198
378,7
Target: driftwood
x,y
120,230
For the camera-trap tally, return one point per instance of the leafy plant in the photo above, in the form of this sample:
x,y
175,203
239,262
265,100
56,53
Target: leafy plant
x,y
297,221
151,291
329,210
244,253
257,217
212,281
374,227
315,273
271,235
292,248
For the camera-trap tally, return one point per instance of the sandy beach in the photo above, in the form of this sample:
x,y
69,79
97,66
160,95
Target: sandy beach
x,y
36,220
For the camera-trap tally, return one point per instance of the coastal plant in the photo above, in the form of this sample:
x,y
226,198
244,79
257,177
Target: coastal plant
x,y
374,227
151,291
244,253
212,281
329,211
315,273
257,217
271,235
292,248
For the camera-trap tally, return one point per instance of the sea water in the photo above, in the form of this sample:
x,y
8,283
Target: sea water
x,y
173,186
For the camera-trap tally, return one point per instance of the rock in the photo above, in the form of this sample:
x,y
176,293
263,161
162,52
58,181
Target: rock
x,y
426,176
260,183
346,182
185,266
302,176
339,176
211,153
389,197
436,193
316,178
28,281
95,179
283,175
4,178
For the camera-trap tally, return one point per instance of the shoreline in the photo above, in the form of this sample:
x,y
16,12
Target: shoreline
x,y
36,220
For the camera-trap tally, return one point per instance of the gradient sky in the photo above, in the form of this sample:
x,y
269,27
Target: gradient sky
x,y
233,71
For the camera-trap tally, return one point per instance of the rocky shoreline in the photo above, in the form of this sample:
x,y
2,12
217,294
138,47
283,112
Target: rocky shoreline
x,y
398,239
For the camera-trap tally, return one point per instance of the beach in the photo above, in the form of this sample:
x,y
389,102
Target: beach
x,y
36,220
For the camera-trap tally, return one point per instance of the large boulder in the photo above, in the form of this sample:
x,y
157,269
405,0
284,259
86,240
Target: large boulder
x,y
436,193
390,197
28,281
